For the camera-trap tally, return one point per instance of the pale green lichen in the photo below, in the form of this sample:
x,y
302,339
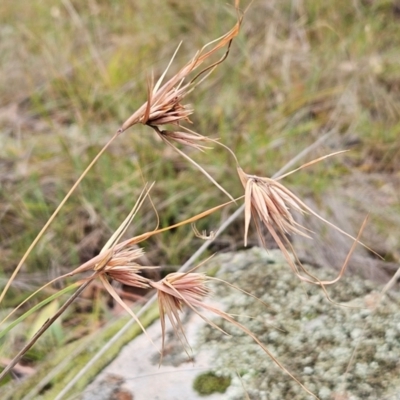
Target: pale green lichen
x,y
317,338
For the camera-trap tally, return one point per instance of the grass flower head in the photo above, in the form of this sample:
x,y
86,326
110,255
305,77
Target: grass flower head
x,y
176,290
272,203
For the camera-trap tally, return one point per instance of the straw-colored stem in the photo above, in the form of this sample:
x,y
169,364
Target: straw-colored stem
x,y
185,267
50,220
43,329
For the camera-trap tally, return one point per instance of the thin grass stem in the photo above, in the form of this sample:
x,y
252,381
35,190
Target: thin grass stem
x,y
43,329
50,220
185,267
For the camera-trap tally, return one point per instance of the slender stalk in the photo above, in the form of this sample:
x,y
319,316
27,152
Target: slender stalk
x,y
185,267
40,332
50,220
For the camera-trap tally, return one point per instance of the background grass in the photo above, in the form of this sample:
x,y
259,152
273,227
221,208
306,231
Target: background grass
x,y
72,72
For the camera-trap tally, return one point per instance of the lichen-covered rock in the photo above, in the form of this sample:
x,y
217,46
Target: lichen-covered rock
x,y
349,349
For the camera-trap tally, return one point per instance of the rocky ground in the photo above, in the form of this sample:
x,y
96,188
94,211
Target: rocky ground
x,y
347,350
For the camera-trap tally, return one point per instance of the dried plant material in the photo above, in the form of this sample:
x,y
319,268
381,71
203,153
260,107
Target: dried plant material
x,y
175,290
199,167
203,235
123,268
126,256
117,260
179,289
191,139
270,202
129,276
110,289
21,371
144,236
164,103
266,200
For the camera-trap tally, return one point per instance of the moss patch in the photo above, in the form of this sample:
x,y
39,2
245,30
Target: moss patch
x,y
209,383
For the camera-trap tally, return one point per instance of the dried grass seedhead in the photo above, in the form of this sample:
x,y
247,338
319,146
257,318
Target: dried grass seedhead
x,y
166,109
187,286
269,201
272,203
181,288
122,267
178,289
129,276
125,256
174,291
164,103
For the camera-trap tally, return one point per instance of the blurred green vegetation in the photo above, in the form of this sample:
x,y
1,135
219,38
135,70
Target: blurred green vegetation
x,y
71,72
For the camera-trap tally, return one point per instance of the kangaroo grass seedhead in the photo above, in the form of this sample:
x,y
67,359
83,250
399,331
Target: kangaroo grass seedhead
x,y
175,290
271,202
268,201
164,101
123,268
179,289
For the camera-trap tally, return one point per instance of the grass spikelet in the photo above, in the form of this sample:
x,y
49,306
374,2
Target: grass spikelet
x,y
164,102
272,204
190,139
179,289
